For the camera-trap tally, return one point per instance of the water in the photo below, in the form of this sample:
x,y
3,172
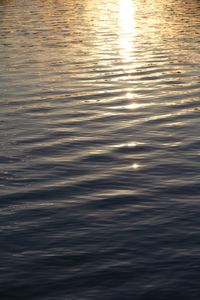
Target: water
x,y
100,152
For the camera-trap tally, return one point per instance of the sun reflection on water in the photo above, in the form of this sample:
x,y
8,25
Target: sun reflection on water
x,y
127,29
135,166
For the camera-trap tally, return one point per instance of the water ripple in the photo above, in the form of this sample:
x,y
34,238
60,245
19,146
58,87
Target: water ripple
x,y
99,153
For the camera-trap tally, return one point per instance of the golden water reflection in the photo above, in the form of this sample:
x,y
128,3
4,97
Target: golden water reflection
x,y
127,30
135,166
118,64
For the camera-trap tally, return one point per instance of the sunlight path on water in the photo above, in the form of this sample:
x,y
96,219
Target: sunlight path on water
x,y
99,149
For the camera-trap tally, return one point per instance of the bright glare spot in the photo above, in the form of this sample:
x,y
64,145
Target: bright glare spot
x,y
129,95
135,166
133,106
132,144
126,15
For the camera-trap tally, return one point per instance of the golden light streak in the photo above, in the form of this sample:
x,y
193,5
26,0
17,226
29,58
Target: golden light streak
x,y
127,29
126,15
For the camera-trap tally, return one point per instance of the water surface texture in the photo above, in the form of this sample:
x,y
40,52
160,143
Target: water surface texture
x,y
100,159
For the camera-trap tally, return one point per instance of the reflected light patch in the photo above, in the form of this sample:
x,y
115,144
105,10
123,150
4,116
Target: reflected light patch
x,y
127,29
129,96
133,106
126,15
135,166
130,144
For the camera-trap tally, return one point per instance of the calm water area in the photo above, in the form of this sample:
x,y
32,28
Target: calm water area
x,y
100,150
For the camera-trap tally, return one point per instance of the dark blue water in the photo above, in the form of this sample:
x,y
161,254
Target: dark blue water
x,y
99,150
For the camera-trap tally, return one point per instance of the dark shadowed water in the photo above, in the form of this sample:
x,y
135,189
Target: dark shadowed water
x,y
100,150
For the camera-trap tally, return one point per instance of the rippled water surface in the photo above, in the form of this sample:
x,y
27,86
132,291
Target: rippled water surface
x,y
100,159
